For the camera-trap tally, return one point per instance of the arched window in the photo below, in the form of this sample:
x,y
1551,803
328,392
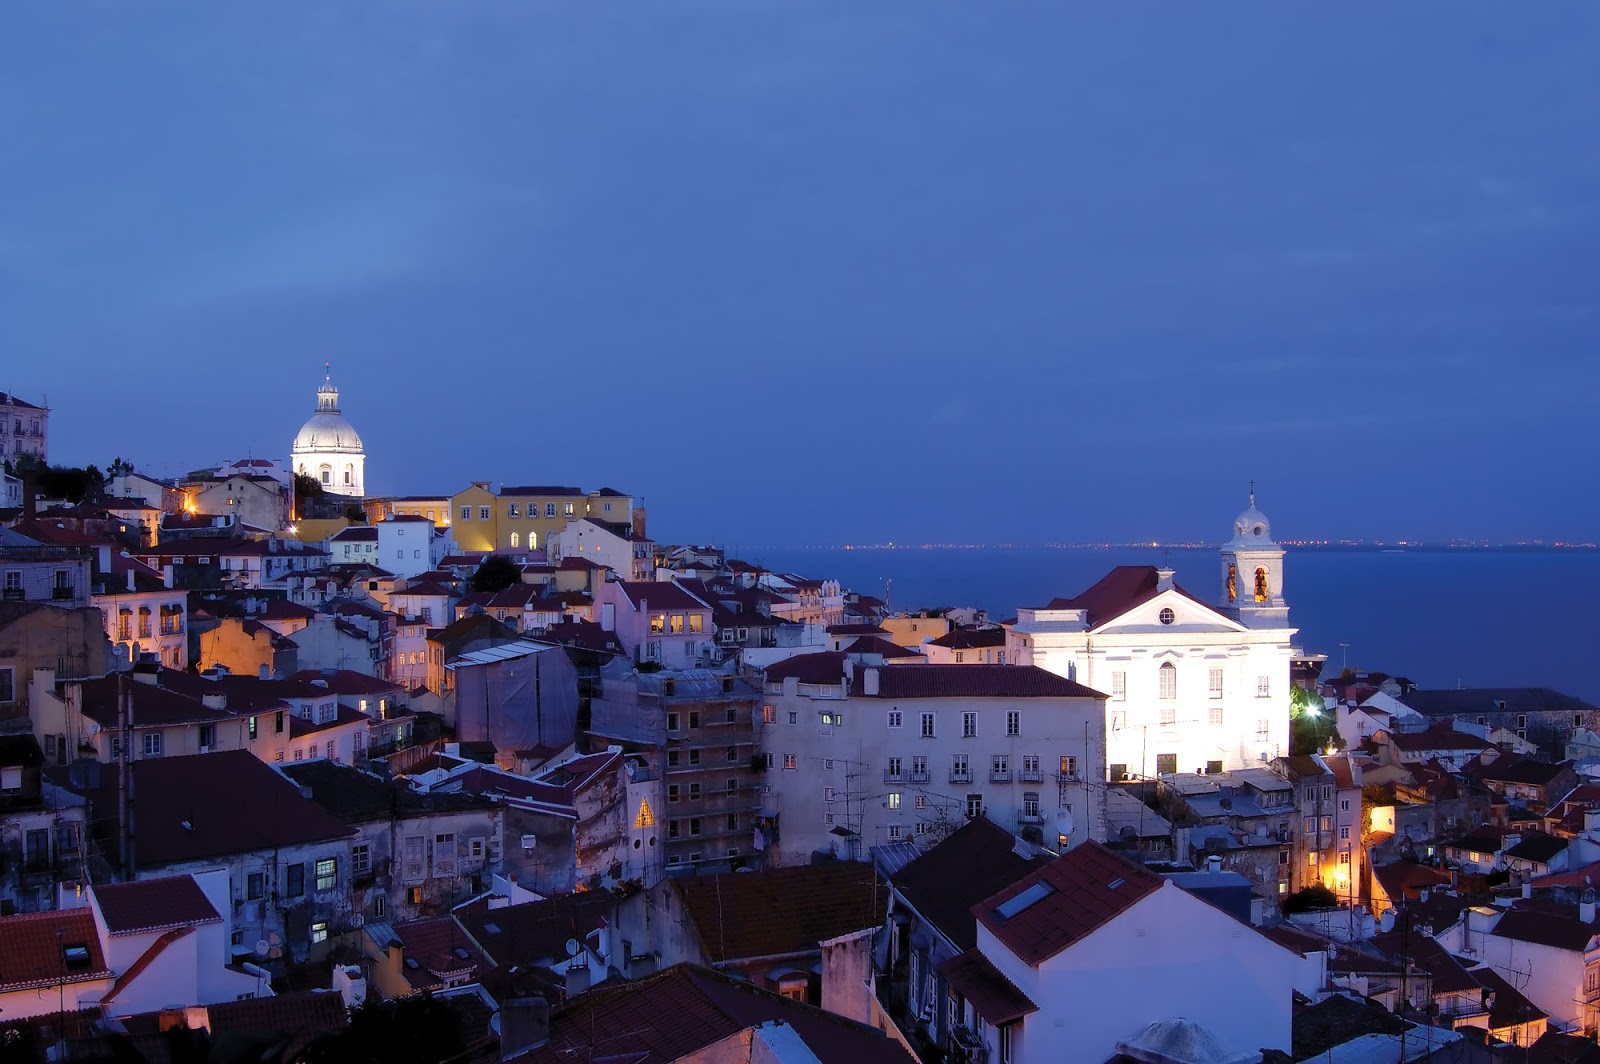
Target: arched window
x,y
515,539
349,475
1233,582
326,474
1261,585
533,541
1169,680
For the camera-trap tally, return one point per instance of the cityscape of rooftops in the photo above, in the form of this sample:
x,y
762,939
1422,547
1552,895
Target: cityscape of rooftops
x,y
767,532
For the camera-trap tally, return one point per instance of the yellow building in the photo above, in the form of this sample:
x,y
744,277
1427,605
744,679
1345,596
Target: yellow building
x,y
435,508
915,630
523,517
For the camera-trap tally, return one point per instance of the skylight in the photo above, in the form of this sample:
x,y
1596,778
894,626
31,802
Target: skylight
x,y
493,929
1028,898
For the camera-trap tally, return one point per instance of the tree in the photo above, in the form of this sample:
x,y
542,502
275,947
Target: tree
x,y
1310,899
119,467
496,573
1311,726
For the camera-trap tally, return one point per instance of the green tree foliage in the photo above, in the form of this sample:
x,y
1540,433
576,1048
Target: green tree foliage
x,y
496,573
417,1029
69,483
1311,726
1310,899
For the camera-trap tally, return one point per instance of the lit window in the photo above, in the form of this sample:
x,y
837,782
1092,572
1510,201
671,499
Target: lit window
x,y
327,874
319,931
790,762
1119,686
894,799
1214,683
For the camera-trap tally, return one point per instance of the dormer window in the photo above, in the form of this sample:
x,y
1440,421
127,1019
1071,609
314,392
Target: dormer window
x,y
1166,616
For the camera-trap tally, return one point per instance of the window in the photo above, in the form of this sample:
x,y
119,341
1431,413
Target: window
x,y
1000,768
515,541
893,771
1327,792
1214,714
672,792
1261,585
253,731
974,805
1117,772
920,802
894,718
1263,730
466,513
1166,616
927,725
694,792
549,509
694,829
1030,804
1169,680
1213,767
511,511
295,880
1069,766
568,509
732,754
319,931
769,714
794,716
919,768
1327,823
1263,687
960,770
1214,683
895,832
923,827
960,656
658,623
1344,805
1169,716
894,799
152,744
1344,834
969,725
483,513
1119,687
380,907
1309,824
1311,858
1166,764
278,724
1030,767
360,860
255,886
1013,722
790,762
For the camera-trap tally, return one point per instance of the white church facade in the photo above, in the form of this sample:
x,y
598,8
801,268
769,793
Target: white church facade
x,y
1191,685
328,449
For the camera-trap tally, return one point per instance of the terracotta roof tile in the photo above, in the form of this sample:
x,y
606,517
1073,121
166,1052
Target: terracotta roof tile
x,y
780,911
969,681
943,884
675,1013
31,952
826,667
442,950
995,997
1079,892
536,929
660,595
153,905
1119,591
303,1016
972,639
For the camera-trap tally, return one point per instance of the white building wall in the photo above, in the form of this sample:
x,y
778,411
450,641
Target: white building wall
x,y
1170,955
405,547
1240,728
842,775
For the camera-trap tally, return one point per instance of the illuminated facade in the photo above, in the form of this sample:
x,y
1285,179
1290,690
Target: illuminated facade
x,y
24,429
328,449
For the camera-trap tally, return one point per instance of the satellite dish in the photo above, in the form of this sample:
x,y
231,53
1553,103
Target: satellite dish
x,y
1386,921
262,946
1064,822
572,947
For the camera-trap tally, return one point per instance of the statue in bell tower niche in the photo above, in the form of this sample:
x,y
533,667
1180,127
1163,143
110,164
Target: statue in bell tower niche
x,y
1261,585
1251,568
1233,583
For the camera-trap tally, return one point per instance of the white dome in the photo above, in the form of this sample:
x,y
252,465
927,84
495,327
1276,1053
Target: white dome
x,y
1252,526
327,431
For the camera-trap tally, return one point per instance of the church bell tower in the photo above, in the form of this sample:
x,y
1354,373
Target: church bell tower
x,y
1252,572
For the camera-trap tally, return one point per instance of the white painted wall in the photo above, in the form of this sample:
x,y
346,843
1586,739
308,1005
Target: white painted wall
x,y
1169,955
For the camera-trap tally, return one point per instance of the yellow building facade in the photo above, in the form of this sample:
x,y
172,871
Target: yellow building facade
x,y
524,517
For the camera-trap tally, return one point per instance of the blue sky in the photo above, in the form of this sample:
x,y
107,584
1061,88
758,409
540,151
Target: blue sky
x,y
822,272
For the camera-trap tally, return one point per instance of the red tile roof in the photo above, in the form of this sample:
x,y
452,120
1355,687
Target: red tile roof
x,y
781,911
1119,591
869,644
1560,930
153,905
1076,894
972,639
943,884
31,951
442,950
347,682
675,1013
969,681
856,629
995,997
535,930
182,819
1438,737
538,489
659,595
826,667
152,706
302,1016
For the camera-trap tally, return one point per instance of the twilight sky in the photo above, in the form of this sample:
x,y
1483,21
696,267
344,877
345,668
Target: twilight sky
x,y
830,272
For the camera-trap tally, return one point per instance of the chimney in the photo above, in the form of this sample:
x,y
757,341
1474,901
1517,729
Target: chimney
x,y
1164,578
1586,906
1527,888
1214,865
264,672
577,979
869,682
524,1024
147,672
103,560
131,587
217,700
1591,823
166,575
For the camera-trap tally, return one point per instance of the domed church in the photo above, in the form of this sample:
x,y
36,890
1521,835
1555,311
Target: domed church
x,y
328,448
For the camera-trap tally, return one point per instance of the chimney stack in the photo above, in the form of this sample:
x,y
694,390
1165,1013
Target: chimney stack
x,y
524,1024
1164,578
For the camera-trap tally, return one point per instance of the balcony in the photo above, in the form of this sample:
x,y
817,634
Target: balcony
x,y
1030,818
960,776
62,594
1000,775
13,594
893,777
919,777
1030,776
